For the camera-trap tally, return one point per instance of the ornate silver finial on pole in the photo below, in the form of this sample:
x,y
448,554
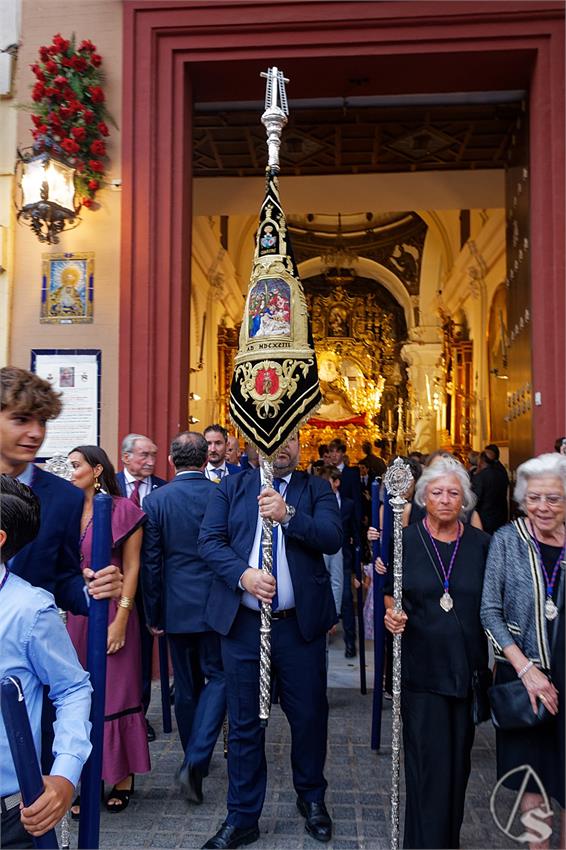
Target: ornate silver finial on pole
x,y
275,116
397,480
60,466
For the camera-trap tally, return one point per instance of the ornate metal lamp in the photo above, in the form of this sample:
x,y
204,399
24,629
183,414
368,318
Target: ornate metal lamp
x,y
45,194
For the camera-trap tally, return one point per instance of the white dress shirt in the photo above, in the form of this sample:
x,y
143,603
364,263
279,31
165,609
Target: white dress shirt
x,y
211,472
145,486
285,593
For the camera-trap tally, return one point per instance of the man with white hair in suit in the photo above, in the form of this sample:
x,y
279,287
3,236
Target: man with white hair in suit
x,y
136,481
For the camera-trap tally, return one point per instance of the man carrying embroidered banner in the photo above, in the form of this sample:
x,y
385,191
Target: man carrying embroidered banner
x,y
265,532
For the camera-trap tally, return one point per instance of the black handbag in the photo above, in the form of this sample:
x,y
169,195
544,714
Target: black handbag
x,y
482,681
511,707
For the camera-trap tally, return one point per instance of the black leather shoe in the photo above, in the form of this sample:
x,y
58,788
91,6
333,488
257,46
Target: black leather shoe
x,y
230,836
350,651
318,823
150,731
190,781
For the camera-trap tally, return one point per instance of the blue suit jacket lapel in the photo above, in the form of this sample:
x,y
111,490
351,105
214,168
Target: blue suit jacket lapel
x,y
252,492
294,491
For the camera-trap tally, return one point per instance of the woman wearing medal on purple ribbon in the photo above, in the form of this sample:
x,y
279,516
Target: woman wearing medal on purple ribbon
x,y
523,614
443,645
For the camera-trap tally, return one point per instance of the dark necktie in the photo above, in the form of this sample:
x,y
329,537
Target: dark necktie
x,y
135,494
218,473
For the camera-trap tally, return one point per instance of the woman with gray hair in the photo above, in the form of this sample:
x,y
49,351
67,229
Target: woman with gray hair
x,y
523,614
443,647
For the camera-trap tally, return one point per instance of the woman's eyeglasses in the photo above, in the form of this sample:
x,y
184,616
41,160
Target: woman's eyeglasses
x,y
553,500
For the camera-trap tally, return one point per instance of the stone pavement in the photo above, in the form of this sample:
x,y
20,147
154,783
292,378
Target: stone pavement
x,y
358,784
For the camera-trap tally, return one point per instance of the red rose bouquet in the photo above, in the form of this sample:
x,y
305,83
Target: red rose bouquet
x,y
69,112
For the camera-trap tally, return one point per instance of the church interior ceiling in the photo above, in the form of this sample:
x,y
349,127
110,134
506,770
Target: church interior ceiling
x,y
357,140
394,240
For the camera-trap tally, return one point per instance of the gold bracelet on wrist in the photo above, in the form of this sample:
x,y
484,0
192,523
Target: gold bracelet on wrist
x,y
126,602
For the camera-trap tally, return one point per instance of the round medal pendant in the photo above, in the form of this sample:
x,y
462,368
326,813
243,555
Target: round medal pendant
x,y
550,609
446,602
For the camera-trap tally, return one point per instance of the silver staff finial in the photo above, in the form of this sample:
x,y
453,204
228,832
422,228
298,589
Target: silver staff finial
x,y
60,465
276,111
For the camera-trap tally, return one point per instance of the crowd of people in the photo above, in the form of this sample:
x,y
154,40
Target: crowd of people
x,y
186,563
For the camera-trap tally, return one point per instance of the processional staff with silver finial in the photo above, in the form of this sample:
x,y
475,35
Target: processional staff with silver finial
x,y
273,119
397,480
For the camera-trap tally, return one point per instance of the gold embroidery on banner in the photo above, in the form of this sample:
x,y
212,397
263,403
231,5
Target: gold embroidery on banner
x,y
269,383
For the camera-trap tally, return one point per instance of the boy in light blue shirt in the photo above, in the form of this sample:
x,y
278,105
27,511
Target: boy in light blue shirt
x,y
37,649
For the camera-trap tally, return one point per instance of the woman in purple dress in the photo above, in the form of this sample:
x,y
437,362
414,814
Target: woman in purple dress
x,y
125,751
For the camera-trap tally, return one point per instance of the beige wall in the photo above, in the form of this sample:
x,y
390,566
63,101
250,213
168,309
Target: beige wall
x,y
99,231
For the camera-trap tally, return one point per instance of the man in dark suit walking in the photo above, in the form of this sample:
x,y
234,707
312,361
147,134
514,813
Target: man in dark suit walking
x,y
491,486
306,525
136,482
350,488
175,583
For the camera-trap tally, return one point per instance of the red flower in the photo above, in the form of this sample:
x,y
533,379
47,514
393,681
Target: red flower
x,y
52,50
74,107
51,67
93,185
69,146
65,113
88,115
103,129
87,202
36,120
60,80
96,60
79,133
66,62
50,91
98,148
38,91
44,54
96,165
38,72
79,63
53,119
96,94
87,45
61,43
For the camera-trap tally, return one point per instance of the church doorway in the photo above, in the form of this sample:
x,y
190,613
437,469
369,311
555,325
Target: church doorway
x,y
214,53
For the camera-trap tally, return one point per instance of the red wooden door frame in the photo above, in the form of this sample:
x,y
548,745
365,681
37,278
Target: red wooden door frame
x,y
487,44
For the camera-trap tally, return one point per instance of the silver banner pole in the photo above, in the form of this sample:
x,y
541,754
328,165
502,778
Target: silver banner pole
x,y
397,480
265,611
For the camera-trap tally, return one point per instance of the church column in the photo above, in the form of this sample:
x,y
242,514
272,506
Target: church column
x,y
422,359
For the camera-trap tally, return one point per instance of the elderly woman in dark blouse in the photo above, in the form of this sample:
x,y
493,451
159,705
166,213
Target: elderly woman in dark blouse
x,y
523,614
443,644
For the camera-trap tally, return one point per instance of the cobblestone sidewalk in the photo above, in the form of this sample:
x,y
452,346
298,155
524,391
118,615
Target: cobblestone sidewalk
x,y
357,797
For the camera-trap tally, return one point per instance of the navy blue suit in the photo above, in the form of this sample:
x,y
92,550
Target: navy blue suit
x,y
298,643
350,487
175,584
146,638
154,481
52,560
351,539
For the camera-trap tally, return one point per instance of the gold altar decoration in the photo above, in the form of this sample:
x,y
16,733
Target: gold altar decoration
x,y
357,351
